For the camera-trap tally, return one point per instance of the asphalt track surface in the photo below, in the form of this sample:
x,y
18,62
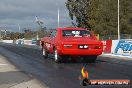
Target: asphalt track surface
x,y
65,75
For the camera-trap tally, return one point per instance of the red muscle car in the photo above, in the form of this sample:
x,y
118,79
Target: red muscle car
x,y
64,42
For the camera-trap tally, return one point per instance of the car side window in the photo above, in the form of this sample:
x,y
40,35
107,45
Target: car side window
x,y
53,34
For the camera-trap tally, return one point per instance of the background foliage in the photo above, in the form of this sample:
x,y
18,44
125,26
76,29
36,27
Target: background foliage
x,y
101,15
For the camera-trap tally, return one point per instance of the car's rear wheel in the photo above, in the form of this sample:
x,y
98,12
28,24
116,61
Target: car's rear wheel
x,y
90,59
45,53
57,58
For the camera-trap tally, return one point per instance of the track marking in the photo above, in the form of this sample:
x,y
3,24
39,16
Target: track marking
x,y
3,64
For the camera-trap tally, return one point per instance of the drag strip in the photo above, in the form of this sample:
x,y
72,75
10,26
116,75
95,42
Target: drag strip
x,y
64,75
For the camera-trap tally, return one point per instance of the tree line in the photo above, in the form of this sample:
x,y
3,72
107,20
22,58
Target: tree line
x,y
101,15
26,34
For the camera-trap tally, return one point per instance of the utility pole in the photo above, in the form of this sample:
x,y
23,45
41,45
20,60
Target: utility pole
x,y
19,28
118,19
39,22
58,17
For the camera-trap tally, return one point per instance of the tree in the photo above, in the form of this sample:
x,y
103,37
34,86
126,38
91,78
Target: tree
x,y
78,10
126,16
101,15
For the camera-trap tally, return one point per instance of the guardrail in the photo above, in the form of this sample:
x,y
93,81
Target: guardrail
x,y
118,47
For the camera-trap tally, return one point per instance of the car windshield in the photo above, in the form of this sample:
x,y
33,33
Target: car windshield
x,y
76,33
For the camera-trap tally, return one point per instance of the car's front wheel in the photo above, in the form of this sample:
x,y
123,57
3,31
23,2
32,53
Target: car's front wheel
x,y
45,53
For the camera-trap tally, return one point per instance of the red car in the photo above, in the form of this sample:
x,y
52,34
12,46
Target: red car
x,y
64,42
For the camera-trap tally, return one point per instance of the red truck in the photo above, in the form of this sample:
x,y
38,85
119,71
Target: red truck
x,y
64,42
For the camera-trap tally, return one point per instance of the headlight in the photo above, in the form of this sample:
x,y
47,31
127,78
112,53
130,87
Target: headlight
x,y
83,46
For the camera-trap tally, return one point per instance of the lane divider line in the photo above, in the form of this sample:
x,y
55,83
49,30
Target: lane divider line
x,y
3,64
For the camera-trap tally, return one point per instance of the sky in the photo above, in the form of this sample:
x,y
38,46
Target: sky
x,y
23,12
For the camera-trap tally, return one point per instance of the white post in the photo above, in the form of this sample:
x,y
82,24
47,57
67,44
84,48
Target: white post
x,y
37,20
5,33
58,18
19,27
118,20
37,36
0,34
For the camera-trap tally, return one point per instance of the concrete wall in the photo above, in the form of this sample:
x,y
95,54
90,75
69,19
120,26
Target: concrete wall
x,y
7,41
119,47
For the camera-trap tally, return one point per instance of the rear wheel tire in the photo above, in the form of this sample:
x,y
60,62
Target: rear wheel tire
x,y
57,58
45,53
